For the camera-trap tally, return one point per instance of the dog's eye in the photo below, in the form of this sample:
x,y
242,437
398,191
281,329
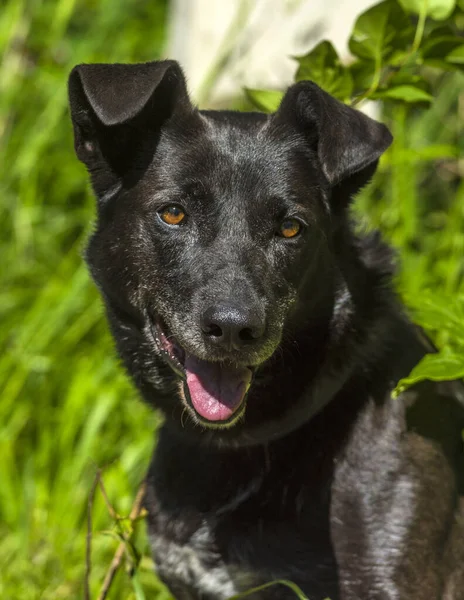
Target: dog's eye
x,y
289,228
172,215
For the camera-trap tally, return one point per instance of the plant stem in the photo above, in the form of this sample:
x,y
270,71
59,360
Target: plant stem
x,y
420,28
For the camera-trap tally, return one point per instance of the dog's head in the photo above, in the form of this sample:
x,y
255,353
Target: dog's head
x,y
214,234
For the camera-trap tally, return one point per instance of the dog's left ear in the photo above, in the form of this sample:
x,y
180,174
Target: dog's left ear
x,y
347,141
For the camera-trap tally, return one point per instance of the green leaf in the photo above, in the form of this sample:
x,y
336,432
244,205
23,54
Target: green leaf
x,y
443,366
438,46
380,31
437,9
265,100
437,63
323,66
436,311
407,77
438,42
406,93
456,56
362,73
406,59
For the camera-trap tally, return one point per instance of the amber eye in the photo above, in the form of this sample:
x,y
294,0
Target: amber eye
x,y
290,228
172,215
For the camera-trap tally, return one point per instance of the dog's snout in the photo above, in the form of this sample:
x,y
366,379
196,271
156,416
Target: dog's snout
x,y
231,326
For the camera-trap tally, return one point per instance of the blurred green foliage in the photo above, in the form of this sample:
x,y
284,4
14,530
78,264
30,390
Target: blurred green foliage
x,y
66,406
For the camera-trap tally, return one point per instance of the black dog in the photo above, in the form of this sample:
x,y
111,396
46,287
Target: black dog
x,y
246,309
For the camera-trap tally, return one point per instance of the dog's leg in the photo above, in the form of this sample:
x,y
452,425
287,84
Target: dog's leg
x,y
393,512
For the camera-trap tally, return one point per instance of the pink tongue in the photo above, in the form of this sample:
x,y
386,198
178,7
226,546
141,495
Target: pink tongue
x,y
216,390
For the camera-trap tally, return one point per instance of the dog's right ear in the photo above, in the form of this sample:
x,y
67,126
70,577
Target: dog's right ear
x,y
348,143
117,112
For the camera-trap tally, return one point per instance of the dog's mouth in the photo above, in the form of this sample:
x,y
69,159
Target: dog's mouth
x,y
215,391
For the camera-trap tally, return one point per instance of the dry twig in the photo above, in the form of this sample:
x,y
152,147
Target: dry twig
x,y
109,506
88,548
117,559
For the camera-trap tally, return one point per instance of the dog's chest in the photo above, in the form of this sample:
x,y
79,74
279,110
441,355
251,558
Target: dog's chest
x,y
217,554
220,524
194,568
187,554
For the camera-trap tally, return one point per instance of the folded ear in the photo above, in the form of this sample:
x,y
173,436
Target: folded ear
x,y
117,111
346,140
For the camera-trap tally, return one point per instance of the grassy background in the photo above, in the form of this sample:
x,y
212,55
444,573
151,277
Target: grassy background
x,y
66,406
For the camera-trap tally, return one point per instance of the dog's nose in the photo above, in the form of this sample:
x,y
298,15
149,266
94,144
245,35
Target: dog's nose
x,y
231,326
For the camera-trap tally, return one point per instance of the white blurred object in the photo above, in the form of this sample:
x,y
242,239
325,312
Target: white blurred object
x,y
224,45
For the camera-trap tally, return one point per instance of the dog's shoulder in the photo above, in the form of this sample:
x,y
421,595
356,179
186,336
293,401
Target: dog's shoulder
x,y
396,496
435,412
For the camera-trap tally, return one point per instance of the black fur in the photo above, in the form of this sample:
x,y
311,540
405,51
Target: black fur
x,y
324,479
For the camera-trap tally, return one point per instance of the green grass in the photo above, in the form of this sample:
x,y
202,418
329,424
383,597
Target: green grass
x,y
66,406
